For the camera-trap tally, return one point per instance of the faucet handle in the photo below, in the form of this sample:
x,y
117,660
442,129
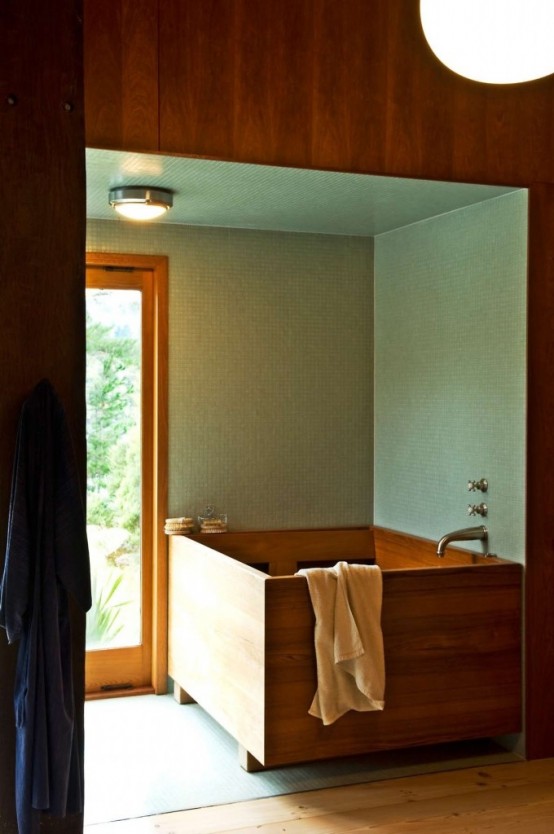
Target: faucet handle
x,y
477,509
481,485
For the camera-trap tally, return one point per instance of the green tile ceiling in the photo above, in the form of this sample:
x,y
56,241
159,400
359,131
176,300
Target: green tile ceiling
x,y
235,195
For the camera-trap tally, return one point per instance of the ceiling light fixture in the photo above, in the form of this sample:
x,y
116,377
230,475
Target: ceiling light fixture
x,y
494,41
137,202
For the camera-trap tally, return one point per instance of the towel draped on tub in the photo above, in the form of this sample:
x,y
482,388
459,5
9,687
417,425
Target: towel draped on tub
x,y
348,640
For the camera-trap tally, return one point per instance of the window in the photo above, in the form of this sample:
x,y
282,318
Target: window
x,y
127,471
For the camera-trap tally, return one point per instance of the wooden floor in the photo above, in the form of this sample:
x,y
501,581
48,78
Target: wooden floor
x,y
515,798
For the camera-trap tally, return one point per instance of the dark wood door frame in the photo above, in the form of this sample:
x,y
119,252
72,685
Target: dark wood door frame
x,y
539,596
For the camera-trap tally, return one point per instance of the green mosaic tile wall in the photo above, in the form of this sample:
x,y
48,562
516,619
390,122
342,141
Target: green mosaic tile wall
x,y
271,390
450,372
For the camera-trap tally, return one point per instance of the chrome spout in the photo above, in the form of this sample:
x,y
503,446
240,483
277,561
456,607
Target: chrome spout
x,y
466,534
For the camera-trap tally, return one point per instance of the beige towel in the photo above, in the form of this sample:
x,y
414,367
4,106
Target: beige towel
x,y
348,639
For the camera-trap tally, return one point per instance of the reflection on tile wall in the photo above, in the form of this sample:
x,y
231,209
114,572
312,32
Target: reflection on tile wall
x,y
450,372
271,355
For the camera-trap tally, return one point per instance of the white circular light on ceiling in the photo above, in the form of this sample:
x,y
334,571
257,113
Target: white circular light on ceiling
x,y
140,202
494,41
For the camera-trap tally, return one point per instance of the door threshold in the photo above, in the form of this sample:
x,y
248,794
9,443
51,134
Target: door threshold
x,y
119,692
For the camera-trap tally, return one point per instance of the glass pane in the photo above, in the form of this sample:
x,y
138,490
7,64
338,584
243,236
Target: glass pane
x,y
113,466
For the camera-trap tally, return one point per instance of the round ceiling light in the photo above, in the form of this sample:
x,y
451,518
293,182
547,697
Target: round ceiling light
x,y
141,202
495,41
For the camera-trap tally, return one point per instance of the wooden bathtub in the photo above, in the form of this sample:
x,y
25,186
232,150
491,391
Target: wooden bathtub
x,y
241,641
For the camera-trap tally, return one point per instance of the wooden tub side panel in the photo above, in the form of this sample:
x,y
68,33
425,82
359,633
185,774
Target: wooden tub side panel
x,y
216,627
453,664
454,642
283,550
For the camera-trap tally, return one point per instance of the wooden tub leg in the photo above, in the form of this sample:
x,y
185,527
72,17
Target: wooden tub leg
x,y
181,695
248,762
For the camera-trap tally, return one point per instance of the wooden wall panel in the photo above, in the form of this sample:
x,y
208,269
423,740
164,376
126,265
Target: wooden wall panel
x,y
121,66
540,476
350,86
197,91
42,223
419,123
254,91
273,87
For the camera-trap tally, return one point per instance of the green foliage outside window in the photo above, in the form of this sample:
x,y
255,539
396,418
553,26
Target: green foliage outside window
x,y
113,438
114,466
104,621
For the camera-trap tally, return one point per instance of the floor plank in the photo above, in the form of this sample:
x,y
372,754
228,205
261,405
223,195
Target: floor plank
x,y
498,799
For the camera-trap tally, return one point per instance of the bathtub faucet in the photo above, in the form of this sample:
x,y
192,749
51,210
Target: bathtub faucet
x,y
465,535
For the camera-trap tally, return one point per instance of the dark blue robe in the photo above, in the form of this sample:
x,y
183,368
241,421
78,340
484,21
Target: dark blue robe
x,y
46,557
